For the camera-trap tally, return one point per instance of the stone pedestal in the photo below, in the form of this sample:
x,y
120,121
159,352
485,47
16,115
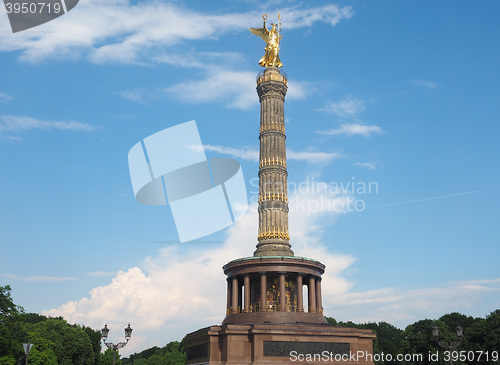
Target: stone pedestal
x,y
267,344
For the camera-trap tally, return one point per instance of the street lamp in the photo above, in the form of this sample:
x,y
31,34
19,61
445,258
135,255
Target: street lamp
x,y
27,347
119,345
448,346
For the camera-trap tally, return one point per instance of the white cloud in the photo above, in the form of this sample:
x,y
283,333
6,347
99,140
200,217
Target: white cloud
x,y
353,129
368,165
330,14
41,278
424,83
10,123
4,98
236,88
118,31
298,90
253,154
201,60
350,108
136,95
346,108
243,153
10,138
101,273
312,157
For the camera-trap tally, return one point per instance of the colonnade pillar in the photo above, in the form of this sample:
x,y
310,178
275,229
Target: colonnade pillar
x,y
234,294
240,297
319,303
300,298
263,291
282,302
246,284
312,294
228,296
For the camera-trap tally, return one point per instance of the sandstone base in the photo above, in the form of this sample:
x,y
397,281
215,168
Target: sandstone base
x,y
266,344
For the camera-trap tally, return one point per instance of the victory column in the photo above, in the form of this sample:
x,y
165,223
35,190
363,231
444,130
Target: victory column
x,y
266,319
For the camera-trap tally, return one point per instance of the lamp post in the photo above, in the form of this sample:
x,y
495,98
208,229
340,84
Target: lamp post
x,y
448,346
119,345
27,347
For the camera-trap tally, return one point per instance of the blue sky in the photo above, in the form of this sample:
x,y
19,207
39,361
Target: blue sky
x,y
400,94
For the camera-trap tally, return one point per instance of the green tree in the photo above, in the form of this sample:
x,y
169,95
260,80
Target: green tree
x,y
10,345
7,306
175,357
389,339
172,353
447,325
452,320
492,336
72,345
157,358
7,347
42,352
32,318
7,360
95,340
418,340
107,358
146,354
141,361
175,346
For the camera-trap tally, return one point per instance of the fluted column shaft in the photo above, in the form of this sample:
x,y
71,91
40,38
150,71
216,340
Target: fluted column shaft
x,y
300,299
273,235
234,292
319,302
263,292
246,284
229,299
282,292
312,294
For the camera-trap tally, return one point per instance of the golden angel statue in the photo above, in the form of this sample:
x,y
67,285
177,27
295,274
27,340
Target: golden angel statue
x,y
272,38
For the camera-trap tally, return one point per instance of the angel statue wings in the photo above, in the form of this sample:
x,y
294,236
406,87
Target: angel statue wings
x,y
272,38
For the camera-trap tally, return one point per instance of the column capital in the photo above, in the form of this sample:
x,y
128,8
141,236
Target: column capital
x,y
272,88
